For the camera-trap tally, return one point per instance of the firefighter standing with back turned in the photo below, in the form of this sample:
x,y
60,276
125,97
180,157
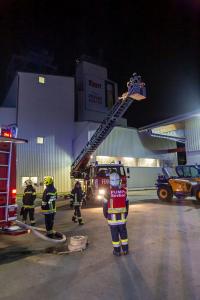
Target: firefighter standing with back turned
x,y
28,199
77,194
49,205
115,209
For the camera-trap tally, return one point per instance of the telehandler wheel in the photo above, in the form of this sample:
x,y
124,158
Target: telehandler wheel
x,y
165,193
198,195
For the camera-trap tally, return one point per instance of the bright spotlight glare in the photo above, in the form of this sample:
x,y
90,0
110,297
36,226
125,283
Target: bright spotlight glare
x,y
101,192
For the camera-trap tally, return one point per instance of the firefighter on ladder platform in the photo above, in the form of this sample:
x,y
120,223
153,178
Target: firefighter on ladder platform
x,y
49,205
77,196
28,199
115,209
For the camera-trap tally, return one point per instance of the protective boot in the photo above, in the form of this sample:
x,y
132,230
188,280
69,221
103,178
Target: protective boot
x,y
125,249
116,253
74,219
80,221
50,234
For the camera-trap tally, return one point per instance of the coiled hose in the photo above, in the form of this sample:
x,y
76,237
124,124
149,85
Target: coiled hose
x,y
36,231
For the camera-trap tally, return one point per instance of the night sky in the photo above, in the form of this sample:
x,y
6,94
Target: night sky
x,y
160,42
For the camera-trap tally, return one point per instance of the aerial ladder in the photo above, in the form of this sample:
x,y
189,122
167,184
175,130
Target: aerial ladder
x,y
136,90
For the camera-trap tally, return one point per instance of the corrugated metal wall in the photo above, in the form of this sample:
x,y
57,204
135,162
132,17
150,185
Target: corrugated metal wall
x,y
143,177
129,143
46,111
192,133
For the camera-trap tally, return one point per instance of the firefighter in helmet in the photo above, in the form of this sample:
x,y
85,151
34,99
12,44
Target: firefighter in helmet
x,y
49,205
28,199
115,209
77,196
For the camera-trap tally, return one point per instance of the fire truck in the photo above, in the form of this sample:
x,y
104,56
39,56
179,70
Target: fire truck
x,y
8,206
96,177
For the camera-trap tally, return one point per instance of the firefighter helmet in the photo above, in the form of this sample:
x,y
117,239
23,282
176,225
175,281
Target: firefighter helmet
x,y
114,179
48,180
28,182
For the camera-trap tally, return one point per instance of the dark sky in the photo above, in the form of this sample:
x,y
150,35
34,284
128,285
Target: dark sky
x,y
160,42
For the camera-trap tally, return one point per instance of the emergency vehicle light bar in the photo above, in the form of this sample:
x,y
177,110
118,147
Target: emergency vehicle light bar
x,y
8,134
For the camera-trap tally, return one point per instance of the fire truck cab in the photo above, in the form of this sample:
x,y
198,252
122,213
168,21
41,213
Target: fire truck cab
x,y
8,206
97,179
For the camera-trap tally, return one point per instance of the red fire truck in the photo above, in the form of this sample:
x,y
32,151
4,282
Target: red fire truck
x,y
8,206
97,178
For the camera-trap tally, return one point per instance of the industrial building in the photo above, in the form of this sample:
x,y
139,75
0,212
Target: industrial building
x,y
58,115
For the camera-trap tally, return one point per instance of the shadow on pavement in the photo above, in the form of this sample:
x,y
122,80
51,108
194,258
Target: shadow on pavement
x,y
175,202
11,254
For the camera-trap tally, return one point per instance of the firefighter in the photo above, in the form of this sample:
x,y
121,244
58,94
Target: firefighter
x,y
28,199
77,196
115,209
49,205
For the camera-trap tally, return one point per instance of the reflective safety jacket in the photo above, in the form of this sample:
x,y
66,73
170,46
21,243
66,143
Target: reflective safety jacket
x,y
49,200
77,195
116,206
29,197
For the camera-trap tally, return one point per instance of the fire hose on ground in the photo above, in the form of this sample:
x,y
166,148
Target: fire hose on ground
x,y
37,232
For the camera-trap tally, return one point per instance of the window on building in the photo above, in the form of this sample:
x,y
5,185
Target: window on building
x,y
148,162
40,140
33,179
23,181
41,79
129,161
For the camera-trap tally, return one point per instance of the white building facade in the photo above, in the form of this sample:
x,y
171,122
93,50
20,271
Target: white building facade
x,y
45,116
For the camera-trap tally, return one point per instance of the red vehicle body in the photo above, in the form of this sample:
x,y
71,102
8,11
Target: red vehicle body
x,y
97,179
8,206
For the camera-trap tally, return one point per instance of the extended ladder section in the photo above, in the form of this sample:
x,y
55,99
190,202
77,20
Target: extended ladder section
x,y
136,91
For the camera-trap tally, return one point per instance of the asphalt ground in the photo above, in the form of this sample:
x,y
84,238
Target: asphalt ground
x,y
163,262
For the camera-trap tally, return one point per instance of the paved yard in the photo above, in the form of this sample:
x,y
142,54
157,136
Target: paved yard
x,y
163,262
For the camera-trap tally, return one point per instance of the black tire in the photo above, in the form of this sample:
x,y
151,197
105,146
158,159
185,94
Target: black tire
x,y
165,193
198,195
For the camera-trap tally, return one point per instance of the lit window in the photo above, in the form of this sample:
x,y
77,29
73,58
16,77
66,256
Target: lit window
x,y
40,140
23,181
34,180
148,162
41,79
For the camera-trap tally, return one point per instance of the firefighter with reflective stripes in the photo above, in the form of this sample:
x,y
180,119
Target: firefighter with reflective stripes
x,y
115,209
77,196
49,205
28,199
